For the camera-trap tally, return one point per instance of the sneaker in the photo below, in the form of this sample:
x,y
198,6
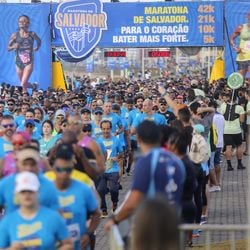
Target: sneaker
x,y
214,189
114,206
195,234
240,166
104,214
203,220
230,168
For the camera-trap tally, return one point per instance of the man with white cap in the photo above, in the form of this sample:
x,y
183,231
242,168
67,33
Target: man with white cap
x,y
28,159
32,226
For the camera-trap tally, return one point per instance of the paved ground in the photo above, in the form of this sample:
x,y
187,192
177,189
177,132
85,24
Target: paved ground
x,y
230,205
226,207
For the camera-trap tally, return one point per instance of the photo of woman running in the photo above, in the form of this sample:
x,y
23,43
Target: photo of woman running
x,y
22,41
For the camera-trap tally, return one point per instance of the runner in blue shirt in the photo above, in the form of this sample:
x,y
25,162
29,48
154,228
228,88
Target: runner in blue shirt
x,y
111,175
31,226
148,115
113,118
27,160
77,200
157,172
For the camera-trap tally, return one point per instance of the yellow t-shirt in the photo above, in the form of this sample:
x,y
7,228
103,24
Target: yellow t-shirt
x,y
76,175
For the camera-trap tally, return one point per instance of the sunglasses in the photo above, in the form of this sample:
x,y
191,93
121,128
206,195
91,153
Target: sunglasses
x,y
98,113
86,130
10,104
29,126
11,125
17,143
66,170
59,117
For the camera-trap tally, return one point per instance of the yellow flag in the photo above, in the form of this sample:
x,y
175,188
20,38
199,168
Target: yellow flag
x,y
218,70
58,81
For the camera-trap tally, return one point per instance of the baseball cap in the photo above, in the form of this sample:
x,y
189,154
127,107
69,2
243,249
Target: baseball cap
x,y
85,110
98,110
64,151
87,127
60,112
29,121
163,101
28,153
27,181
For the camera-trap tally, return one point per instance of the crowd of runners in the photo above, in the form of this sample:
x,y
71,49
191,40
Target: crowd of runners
x,y
63,155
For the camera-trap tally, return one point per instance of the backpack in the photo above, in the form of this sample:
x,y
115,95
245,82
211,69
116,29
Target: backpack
x,y
230,114
199,149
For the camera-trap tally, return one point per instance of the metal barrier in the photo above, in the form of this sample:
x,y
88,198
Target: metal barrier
x,y
207,229
116,242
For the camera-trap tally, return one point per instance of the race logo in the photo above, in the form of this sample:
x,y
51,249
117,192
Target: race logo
x,y
81,24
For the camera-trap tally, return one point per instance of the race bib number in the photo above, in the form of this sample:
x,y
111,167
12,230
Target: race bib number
x,y
247,46
74,231
109,163
24,56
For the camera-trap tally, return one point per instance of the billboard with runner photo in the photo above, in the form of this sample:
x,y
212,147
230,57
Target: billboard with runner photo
x,y
25,45
237,34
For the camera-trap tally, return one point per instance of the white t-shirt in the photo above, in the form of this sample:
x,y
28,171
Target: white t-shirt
x,y
248,116
219,123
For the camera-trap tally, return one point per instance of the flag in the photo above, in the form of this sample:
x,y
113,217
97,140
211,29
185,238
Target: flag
x,y
218,70
58,81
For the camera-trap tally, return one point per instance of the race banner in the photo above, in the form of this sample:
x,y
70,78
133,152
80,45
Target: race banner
x,y
162,24
237,37
26,55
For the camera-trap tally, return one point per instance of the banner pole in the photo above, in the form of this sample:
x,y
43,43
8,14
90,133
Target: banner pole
x,y
230,49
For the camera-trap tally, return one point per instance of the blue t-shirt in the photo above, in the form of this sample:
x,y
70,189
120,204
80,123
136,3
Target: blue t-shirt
x,y
19,120
121,136
5,147
133,114
113,147
115,120
169,175
75,204
47,193
39,233
45,146
155,117
96,130
124,112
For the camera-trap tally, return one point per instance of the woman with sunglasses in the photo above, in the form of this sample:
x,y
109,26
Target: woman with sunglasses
x,y
32,226
8,164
